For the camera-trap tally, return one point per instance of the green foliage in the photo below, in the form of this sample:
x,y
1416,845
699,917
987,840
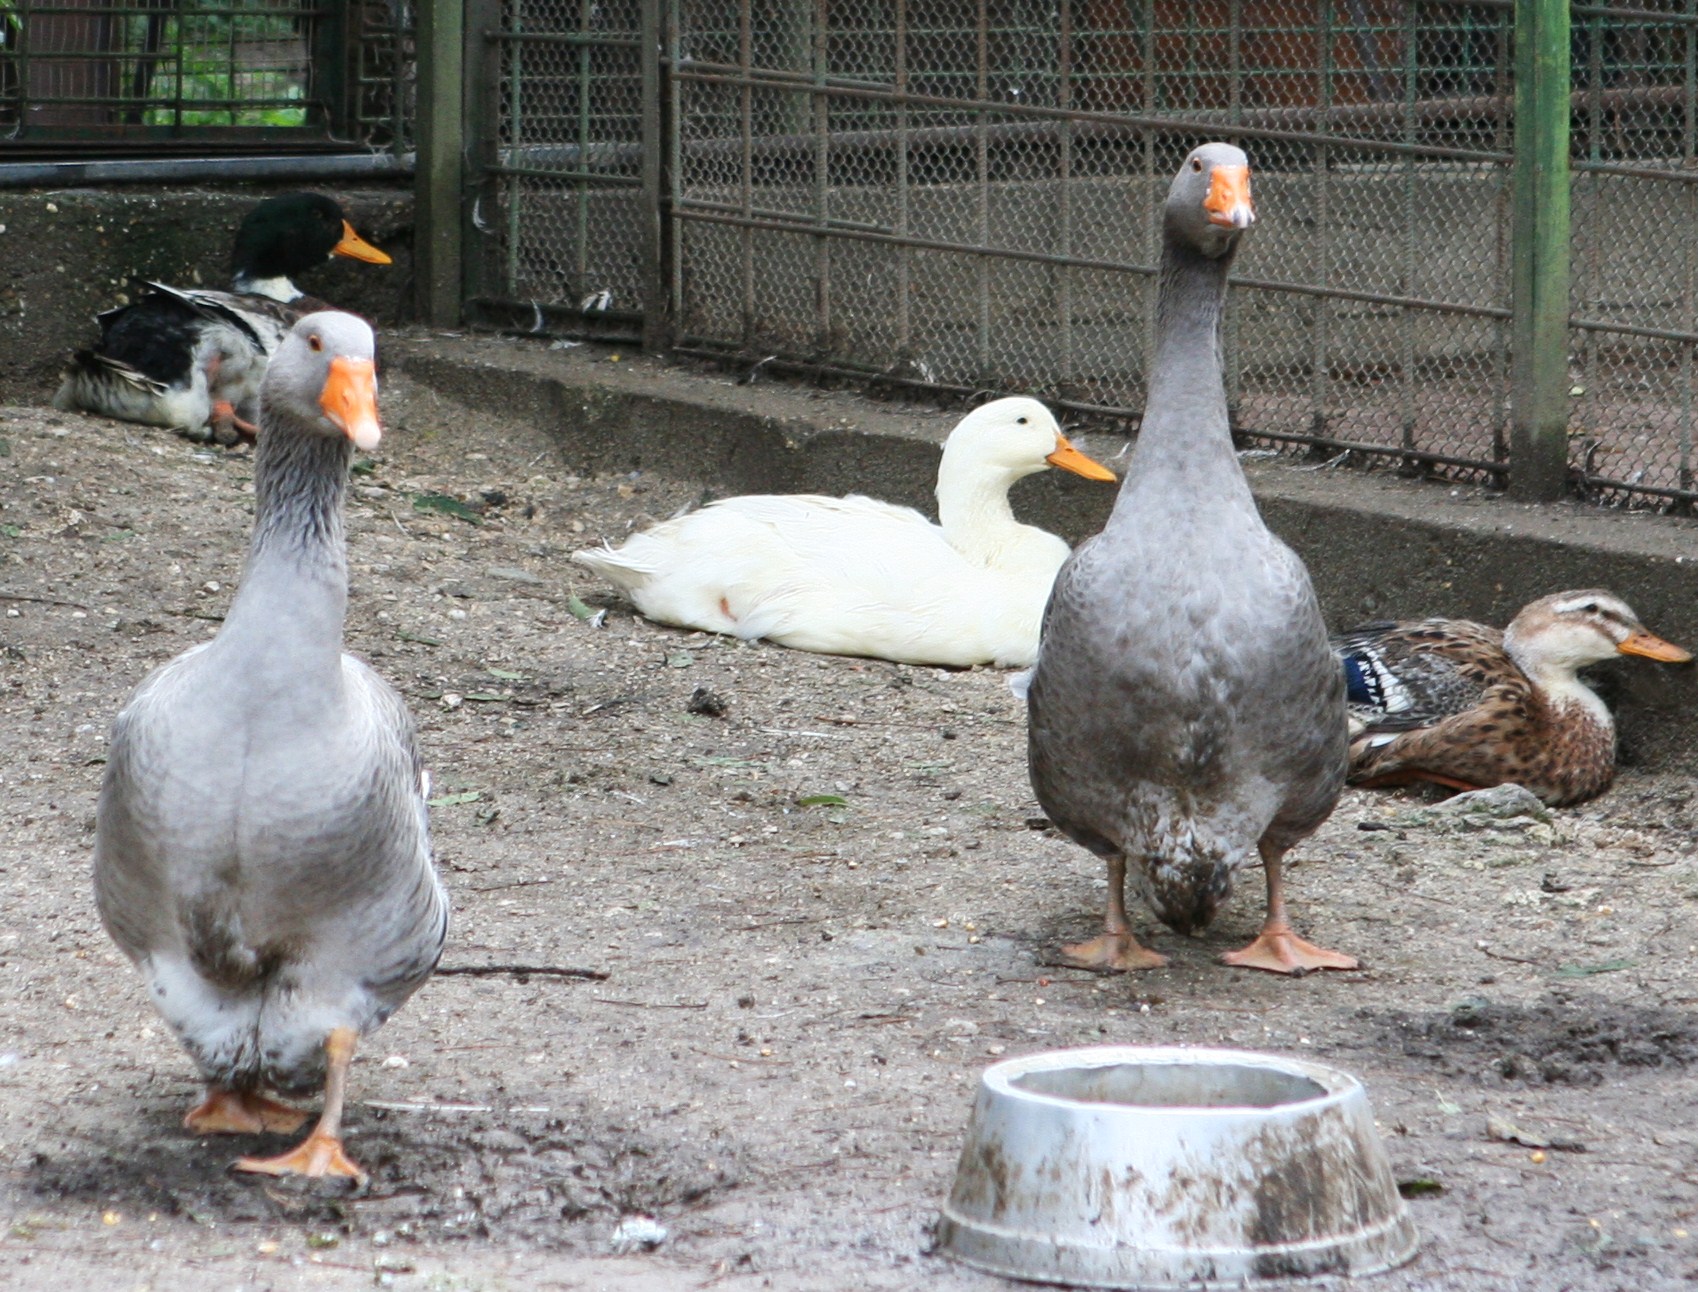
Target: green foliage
x,y
217,61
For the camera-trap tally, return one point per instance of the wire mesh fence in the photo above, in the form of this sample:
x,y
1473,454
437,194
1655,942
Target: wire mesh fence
x,y
967,195
964,195
1634,295
151,75
560,201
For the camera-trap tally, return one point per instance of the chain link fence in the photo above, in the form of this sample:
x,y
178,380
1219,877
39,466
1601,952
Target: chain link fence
x,y
1634,295
963,196
560,201
967,195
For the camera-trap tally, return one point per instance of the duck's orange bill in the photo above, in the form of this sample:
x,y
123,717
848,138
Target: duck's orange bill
x,y
357,248
350,400
1653,647
1069,458
1228,202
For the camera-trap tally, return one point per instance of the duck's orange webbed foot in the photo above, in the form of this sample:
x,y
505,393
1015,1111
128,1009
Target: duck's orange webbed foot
x,y
317,1156
227,427
1118,951
1279,950
242,1112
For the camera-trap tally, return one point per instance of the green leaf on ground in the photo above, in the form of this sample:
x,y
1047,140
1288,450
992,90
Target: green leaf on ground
x,y
447,506
823,800
1586,971
451,800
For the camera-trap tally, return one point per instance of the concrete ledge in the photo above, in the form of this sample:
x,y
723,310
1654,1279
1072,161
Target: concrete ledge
x,y
1378,546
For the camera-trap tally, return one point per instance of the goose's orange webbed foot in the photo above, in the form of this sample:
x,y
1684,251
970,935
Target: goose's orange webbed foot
x,y
1118,951
317,1156
242,1112
1279,950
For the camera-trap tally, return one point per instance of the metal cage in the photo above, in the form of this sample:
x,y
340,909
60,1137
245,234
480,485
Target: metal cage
x,y
124,77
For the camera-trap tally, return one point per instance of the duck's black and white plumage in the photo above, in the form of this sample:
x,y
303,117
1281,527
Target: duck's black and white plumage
x,y
1466,705
1186,711
261,850
193,360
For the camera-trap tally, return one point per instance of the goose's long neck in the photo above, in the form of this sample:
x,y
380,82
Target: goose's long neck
x,y
1185,431
294,592
973,509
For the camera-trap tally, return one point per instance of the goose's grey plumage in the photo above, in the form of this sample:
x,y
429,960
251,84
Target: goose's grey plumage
x,y
261,850
1186,711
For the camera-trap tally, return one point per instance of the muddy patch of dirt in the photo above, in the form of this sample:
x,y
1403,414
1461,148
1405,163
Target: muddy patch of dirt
x,y
1580,1043
520,1176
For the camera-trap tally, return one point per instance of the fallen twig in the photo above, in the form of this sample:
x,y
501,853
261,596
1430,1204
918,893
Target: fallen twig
x,y
1498,955
44,601
647,1004
546,971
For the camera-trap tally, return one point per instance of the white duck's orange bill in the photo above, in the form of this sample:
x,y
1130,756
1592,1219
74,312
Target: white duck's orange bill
x,y
1651,646
1069,458
1228,202
357,248
349,399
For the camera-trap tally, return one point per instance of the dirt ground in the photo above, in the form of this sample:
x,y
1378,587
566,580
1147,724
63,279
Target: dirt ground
x,y
778,1063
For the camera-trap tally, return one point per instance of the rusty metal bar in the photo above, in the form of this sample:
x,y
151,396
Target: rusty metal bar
x,y
1118,124
689,210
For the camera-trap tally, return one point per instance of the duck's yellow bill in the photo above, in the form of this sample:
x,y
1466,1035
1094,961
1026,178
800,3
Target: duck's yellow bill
x,y
1228,202
350,400
1069,458
357,248
1653,647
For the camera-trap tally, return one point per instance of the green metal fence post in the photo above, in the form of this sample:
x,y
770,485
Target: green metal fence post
x,y
651,250
439,175
1538,445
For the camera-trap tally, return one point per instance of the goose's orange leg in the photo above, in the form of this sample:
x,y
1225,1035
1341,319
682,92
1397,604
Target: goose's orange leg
x,y
1277,949
320,1154
1114,947
241,1112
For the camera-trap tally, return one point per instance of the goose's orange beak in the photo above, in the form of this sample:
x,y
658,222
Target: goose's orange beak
x,y
1651,646
357,248
1228,202
1069,458
350,400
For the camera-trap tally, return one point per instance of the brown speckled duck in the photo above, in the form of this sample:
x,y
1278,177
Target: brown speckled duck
x,y
261,850
1186,711
1465,705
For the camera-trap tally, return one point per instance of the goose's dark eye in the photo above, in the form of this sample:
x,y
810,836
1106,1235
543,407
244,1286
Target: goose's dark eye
x,y
1197,165
1022,420
314,343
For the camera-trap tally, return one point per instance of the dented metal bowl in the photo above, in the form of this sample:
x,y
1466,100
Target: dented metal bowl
x,y
1142,1167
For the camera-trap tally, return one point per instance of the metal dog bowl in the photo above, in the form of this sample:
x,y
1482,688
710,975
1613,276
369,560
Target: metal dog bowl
x,y
1131,1167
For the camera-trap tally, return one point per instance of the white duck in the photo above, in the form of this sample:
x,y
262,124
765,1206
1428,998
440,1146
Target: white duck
x,y
1186,711
855,576
261,850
